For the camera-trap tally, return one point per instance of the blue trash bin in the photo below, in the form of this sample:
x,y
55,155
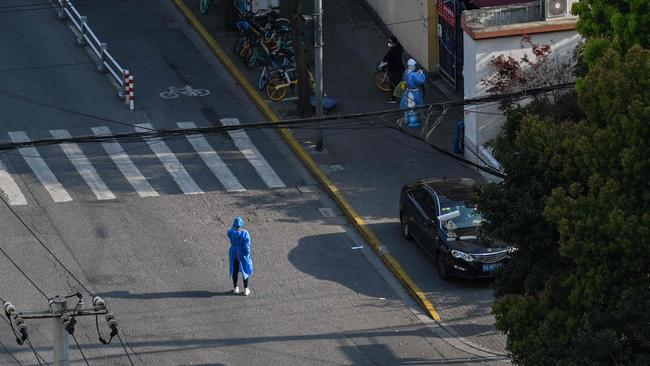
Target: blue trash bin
x,y
459,137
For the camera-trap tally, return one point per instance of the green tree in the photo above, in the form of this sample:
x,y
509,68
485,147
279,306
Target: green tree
x,y
576,201
614,23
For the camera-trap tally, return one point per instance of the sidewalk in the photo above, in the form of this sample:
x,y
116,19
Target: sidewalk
x,y
369,166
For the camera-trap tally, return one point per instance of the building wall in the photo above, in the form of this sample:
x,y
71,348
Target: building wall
x,y
413,25
484,122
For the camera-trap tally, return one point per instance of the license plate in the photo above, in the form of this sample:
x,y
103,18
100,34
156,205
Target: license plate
x,y
491,267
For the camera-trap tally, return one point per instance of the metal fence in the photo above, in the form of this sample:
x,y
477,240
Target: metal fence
x,y
86,36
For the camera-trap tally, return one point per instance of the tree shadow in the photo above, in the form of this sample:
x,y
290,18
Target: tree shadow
x,y
330,257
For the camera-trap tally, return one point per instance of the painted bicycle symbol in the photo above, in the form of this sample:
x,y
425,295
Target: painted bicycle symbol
x,y
174,92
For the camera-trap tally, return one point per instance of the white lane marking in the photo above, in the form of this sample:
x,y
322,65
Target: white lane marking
x,y
125,165
173,166
212,160
245,145
10,188
83,166
40,168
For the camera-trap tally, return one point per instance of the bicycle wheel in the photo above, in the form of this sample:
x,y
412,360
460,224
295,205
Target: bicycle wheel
x,y
276,88
382,81
204,5
169,94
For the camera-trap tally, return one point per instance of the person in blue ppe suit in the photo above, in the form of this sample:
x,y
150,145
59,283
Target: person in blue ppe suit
x,y
240,254
412,96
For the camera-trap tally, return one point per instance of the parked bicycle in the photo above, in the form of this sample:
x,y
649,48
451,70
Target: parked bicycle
x,y
174,92
278,86
263,34
272,66
381,78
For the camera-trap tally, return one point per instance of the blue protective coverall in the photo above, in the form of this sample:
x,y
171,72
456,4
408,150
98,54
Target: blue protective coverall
x,y
412,97
240,247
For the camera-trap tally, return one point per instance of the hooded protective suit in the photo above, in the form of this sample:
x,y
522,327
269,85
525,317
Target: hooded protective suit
x,y
412,96
240,248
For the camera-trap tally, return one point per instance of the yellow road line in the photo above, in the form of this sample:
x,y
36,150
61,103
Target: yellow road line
x,y
309,163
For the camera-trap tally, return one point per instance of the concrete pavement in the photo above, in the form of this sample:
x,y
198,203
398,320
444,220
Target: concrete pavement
x,y
370,178
160,261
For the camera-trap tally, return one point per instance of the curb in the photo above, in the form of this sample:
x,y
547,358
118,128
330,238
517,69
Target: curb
x,y
309,163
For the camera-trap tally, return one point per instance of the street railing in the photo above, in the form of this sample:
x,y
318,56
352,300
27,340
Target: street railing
x,y
86,37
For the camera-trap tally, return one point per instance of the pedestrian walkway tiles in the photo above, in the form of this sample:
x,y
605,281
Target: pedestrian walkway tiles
x,y
49,170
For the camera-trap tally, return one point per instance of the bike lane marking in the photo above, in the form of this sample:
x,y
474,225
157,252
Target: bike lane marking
x,y
84,166
9,187
125,165
245,145
170,162
41,170
212,160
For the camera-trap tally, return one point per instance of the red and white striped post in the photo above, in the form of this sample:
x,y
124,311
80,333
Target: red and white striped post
x,y
125,81
131,100
128,89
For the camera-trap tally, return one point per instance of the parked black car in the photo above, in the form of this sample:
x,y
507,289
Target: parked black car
x,y
439,215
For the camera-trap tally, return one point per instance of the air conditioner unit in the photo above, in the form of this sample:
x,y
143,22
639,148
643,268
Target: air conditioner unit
x,y
558,8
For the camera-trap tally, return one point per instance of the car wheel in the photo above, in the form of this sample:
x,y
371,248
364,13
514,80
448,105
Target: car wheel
x,y
441,266
406,230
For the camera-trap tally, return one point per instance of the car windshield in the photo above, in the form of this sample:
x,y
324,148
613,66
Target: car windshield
x,y
469,217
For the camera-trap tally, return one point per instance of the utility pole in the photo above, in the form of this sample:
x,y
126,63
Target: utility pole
x,y
304,106
60,342
63,322
318,47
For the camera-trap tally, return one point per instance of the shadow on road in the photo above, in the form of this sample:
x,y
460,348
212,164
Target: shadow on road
x,y
163,295
331,257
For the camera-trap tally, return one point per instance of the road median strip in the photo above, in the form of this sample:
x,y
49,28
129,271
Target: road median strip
x,y
309,163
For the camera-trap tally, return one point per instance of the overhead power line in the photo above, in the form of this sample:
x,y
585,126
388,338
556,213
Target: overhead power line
x,y
9,9
332,122
20,269
10,354
44,247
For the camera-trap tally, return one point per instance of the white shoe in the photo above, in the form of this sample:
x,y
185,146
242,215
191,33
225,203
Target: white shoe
x,y
236,290
247,291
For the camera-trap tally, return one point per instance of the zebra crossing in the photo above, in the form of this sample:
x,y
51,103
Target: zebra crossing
x,y
124,165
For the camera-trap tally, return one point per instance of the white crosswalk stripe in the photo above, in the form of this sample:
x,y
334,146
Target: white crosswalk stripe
x,y
212,160
245,145
9,187
170,162
40,169
125,165
83,166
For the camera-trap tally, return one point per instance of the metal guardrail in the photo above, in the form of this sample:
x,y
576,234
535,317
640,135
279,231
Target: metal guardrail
x,y
86,36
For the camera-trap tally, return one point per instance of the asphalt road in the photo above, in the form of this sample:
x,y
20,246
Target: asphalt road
x,y
151,242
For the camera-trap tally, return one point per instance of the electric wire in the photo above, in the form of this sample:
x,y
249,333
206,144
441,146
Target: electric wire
x,y
44,247
454,156
8,321
62,109
29,343
17,266
10,354
125,351
80,350
11,9
285,123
